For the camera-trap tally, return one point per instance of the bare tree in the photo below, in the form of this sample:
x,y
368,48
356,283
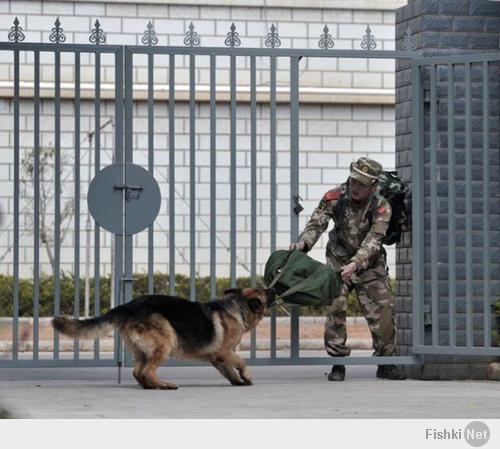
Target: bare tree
x,y
47,193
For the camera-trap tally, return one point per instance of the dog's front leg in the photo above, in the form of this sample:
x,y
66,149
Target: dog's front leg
x,y
235,360
227,371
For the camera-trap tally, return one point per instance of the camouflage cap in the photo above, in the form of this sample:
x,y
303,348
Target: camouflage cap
x,y
366,171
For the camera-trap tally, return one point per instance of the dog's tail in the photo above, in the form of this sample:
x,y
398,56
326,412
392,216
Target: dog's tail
x,y
88,328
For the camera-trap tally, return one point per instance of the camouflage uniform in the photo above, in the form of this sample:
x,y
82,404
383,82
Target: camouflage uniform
x,y
359,229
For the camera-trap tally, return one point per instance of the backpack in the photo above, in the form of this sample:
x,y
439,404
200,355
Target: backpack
x,y
393,188
300,279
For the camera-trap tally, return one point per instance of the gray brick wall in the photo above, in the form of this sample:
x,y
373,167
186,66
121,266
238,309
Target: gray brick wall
x,y
442,28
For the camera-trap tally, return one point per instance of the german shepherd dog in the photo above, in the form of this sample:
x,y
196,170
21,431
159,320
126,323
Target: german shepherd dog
x,y
157,327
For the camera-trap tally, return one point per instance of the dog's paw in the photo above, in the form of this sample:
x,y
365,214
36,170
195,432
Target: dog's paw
x,y
247,380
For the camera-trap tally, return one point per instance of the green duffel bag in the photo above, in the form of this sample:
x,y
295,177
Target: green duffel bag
x,y
299,279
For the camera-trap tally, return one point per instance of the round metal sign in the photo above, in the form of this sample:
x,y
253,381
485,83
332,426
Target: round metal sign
x,y
124,195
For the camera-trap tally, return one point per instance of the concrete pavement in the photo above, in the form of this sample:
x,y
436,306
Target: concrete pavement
x,y
278,392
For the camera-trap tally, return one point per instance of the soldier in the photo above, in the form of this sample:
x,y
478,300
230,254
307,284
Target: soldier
x,y
361,216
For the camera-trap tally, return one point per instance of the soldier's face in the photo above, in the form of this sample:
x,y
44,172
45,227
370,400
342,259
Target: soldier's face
x,y
360,192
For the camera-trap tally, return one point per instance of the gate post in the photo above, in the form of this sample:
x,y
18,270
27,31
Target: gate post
x,y
440,27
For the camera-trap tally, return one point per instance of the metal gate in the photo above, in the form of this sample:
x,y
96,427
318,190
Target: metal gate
x,y
456,124
123,93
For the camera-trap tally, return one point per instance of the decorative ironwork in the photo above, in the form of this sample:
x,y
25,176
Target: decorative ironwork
x,y
232,39
368,42
97,35
273,40
57,36
16,32
409,42
325,40
149,37
192,39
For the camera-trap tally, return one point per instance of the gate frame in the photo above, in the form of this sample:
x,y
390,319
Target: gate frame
x,y
123,139
418,297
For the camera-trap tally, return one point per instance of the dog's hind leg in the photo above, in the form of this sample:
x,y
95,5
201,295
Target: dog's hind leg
x,y
234,360
226,370
158,353
139,365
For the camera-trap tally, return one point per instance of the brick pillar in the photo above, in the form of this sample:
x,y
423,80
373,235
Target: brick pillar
x,y
440,27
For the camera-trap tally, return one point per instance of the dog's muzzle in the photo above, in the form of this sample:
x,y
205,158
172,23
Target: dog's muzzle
x,y
271,297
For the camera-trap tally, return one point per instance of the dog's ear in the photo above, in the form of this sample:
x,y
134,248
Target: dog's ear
x,y
232,291
255,305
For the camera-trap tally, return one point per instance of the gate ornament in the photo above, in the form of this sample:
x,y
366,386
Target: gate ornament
x,y
232,39
273,40
408,42
149,37
57,36
192,38
325,40
97,35
16,32
368,42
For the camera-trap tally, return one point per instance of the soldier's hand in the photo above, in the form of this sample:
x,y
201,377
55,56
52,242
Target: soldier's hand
x,y
347,271
301,246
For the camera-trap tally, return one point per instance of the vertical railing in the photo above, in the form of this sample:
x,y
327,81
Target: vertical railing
x,y
97,168
192,177
151,131
213,175
486,207
272,182
76,297
57,195
119,238
253,191
36,204
468,209
417,206
433,149
451,209
15,320
171,173
294,185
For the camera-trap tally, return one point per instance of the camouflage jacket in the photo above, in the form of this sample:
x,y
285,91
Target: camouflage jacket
x,y
358,231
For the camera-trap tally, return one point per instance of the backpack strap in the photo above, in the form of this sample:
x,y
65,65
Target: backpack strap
x,y
281,269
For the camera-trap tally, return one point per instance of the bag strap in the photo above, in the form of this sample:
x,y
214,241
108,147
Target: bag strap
x,y
281,270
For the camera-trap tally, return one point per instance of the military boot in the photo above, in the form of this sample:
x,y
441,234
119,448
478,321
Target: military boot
x,y
338,373
390,372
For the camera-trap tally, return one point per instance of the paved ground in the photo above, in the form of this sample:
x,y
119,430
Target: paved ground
x,y
278,392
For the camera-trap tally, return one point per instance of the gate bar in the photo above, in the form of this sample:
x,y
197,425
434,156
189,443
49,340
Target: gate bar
x,y
468,207
15,324
272,180
294,187
232,178
451,208
119,238
57,197
192,178
128,158
486,209
76,304
253,192
97,233
171,173
151,166
417,204
213,175
433,218
36,208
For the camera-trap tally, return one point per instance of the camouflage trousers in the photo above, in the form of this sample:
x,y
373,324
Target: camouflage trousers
x,y
377,304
